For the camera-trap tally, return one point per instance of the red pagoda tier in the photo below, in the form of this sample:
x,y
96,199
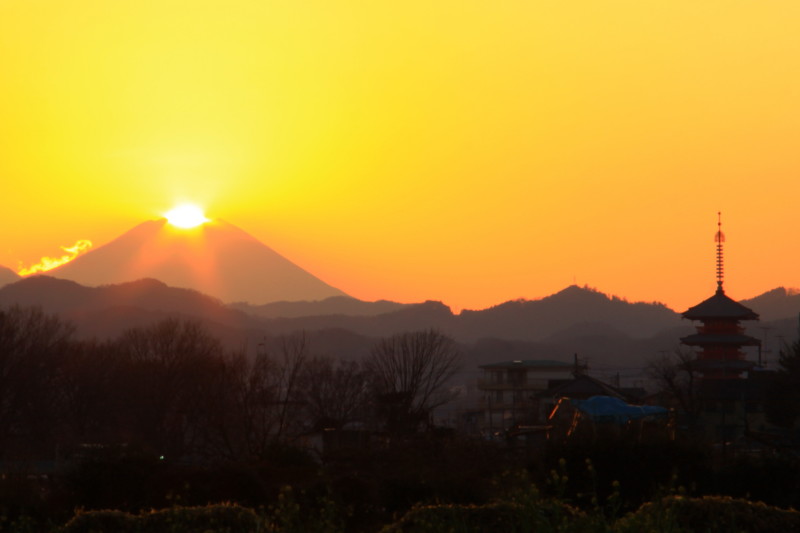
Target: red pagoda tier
x,y
720,337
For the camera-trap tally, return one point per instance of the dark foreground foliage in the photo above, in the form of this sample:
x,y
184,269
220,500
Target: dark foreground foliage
x,y
672,514
710,514
207,519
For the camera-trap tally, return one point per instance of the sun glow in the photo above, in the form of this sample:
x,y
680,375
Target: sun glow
x,y
186,216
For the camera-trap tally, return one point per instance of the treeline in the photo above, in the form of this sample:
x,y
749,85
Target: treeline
x,y
165,417
172,390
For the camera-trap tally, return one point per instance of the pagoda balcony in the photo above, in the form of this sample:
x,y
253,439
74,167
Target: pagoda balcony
x,y
721,329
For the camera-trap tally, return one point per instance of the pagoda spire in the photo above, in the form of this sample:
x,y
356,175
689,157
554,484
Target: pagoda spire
x,y
719,238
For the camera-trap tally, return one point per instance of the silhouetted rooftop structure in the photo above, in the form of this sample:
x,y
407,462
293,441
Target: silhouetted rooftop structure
x,y
720,306
583,387
720,336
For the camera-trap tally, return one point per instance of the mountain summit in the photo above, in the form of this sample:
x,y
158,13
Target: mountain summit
x,y
216,258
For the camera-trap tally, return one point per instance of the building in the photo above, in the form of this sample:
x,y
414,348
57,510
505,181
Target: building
x,y
510,389
720,338
583,387
729,391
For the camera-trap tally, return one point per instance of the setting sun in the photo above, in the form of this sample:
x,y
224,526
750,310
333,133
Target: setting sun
x,y
186,216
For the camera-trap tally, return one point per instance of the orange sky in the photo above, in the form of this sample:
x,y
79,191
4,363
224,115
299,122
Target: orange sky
x,y
464,151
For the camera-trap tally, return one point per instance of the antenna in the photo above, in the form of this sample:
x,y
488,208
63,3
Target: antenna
x,y
766,351
719,238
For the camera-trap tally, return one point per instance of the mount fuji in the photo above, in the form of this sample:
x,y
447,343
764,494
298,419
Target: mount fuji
x,y
217,259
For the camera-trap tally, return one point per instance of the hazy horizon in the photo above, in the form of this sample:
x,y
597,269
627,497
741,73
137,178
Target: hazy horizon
x,y
129,246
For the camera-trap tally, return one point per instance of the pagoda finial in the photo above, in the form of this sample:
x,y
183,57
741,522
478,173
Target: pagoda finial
x,y
719,238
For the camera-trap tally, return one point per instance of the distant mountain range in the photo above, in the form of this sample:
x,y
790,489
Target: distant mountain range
x,y
776,304
216,258
532,320
134,280
106,311
335,305
606,331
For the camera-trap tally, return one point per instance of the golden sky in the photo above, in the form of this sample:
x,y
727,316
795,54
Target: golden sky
x,y
464,151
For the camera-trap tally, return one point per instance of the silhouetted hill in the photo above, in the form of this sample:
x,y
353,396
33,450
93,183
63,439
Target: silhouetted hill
x,y
612,335
776,304
106,311
539,319
335,305
410,317
7,276
216,258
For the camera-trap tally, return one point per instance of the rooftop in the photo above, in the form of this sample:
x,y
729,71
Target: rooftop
x,y
720,306
530,363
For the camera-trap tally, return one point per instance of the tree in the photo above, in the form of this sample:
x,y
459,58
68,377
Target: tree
x,y
782,402
257,403
334,392
33,346
88,385
408,373
676,377
167,368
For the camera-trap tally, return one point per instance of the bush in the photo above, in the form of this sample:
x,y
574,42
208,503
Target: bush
x,y
499,517
100,522
709,514
222,518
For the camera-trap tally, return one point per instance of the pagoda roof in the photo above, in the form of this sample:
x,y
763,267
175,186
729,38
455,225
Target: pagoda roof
x,y
702,339
720,306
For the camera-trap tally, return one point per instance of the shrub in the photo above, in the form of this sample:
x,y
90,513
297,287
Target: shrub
x,y
100,522
709,514
499,517
222,518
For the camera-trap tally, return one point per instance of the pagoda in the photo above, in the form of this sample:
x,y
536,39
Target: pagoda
x,y
720,338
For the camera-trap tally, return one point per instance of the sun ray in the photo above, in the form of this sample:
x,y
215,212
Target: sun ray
x,y
186,216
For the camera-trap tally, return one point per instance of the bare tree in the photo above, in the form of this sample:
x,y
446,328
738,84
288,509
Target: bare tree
x,y
257,404
88,392
169,366
334,392
782,398
33,346
675,376
408,373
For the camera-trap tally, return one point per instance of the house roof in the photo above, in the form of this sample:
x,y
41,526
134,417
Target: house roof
x,y
529,363
611,409
583,387
720,306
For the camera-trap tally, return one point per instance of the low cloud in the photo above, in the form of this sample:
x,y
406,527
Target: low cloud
x,y
49,263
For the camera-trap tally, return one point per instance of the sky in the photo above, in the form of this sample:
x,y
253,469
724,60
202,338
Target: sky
x,y
470,152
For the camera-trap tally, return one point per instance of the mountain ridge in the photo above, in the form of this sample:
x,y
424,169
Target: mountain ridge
x,y
608,343
567,312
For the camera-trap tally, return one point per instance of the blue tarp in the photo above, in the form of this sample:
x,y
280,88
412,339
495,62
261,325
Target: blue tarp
x,y
609,409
